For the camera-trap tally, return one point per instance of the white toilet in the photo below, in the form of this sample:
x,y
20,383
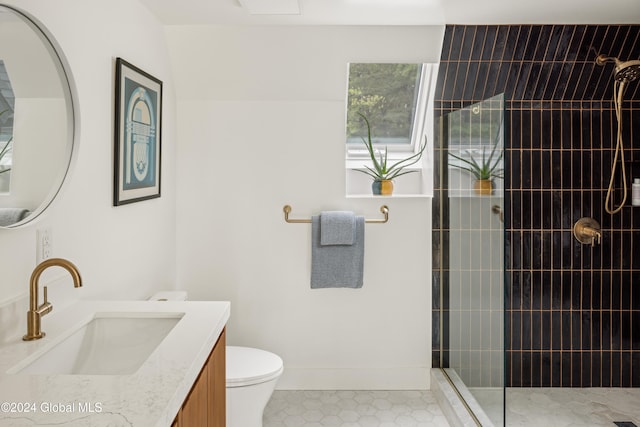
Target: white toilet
x,y
251,373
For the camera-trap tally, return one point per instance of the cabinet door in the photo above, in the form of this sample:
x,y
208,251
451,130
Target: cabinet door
x,y
206,403
194,410
218,384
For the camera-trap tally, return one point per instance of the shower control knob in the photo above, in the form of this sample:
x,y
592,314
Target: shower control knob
x,y
587,231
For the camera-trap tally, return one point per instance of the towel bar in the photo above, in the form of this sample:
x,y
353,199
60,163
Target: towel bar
x,y
384,209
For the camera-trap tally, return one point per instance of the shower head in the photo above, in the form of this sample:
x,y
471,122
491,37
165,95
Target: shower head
x,y
625,71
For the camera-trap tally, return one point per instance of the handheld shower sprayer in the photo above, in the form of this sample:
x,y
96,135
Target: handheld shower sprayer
x,y
624,73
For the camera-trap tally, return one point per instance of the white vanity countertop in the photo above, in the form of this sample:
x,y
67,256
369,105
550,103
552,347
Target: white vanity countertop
x,y
151,396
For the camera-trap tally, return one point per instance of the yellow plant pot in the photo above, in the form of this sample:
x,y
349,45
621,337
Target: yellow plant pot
x,y
483,187
382,188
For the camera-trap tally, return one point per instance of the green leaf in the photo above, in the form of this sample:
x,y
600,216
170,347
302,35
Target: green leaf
x,y
380,170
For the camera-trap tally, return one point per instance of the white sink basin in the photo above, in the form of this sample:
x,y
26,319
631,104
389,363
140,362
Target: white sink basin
x,y
108,344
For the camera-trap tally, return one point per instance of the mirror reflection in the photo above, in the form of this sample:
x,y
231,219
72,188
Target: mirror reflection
x,y
475,268
476,149
36,119
7,107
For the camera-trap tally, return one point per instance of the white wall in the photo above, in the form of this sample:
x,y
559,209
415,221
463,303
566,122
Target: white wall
x,y
261,124
123,252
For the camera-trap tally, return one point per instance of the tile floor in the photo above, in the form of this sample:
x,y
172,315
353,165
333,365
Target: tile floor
x,y
525,408
562,407
296,408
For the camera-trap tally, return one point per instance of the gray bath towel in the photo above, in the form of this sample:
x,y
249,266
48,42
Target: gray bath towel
x,y
337,228
337,266
10,216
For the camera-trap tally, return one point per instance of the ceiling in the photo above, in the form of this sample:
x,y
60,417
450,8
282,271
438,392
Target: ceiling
x,y
394,12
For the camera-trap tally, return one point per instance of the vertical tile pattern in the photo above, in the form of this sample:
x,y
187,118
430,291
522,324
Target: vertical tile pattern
x,y
475,298
572,310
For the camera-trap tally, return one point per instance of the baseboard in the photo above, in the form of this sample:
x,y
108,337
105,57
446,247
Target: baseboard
x,y
354,379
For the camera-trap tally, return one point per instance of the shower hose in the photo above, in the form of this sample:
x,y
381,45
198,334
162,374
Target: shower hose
x,y
618,91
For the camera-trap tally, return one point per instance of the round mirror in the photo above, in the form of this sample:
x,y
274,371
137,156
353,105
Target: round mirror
x,y
36,118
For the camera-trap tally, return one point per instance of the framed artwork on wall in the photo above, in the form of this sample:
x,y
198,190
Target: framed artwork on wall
x,y
138,131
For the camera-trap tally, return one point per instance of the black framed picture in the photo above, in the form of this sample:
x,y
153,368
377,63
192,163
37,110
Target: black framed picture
x,y
138,135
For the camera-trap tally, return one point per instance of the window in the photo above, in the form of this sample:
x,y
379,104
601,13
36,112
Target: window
x,y
397,100
393,97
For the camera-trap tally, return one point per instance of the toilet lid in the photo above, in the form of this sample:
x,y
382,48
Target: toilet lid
x,y
246,366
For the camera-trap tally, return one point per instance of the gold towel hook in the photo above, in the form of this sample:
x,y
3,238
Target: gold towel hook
x,y
384,209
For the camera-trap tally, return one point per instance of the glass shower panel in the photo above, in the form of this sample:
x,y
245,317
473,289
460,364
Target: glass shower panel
x,y
476,256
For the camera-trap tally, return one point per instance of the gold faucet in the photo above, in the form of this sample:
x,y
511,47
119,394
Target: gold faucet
x,y
35,313
587,230
593,234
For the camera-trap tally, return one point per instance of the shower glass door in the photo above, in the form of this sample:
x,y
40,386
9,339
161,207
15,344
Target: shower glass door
x,y
475,140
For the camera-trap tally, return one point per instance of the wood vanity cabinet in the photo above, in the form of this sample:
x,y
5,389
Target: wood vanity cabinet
x,y
205,404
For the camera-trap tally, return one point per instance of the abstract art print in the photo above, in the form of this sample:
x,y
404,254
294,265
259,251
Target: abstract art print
x,y
138,125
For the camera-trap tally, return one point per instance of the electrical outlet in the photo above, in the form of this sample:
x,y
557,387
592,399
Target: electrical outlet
x,y
44,245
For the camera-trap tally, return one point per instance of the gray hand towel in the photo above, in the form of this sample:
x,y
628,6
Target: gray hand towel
x,y
10,216
337,228
337,266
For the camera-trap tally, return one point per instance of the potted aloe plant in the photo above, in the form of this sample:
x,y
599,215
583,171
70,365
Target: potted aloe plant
x,y
484,170
382,173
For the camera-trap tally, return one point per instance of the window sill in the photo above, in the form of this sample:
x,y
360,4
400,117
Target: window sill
x,y
414,185
393,196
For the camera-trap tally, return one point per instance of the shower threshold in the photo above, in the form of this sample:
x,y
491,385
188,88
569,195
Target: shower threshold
x,y
536,406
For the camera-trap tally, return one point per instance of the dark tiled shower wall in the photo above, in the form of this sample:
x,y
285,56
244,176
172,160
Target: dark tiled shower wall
x,y
572,310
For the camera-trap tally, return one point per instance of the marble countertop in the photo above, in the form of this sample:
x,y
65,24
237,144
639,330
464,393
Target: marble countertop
x,y
151,396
